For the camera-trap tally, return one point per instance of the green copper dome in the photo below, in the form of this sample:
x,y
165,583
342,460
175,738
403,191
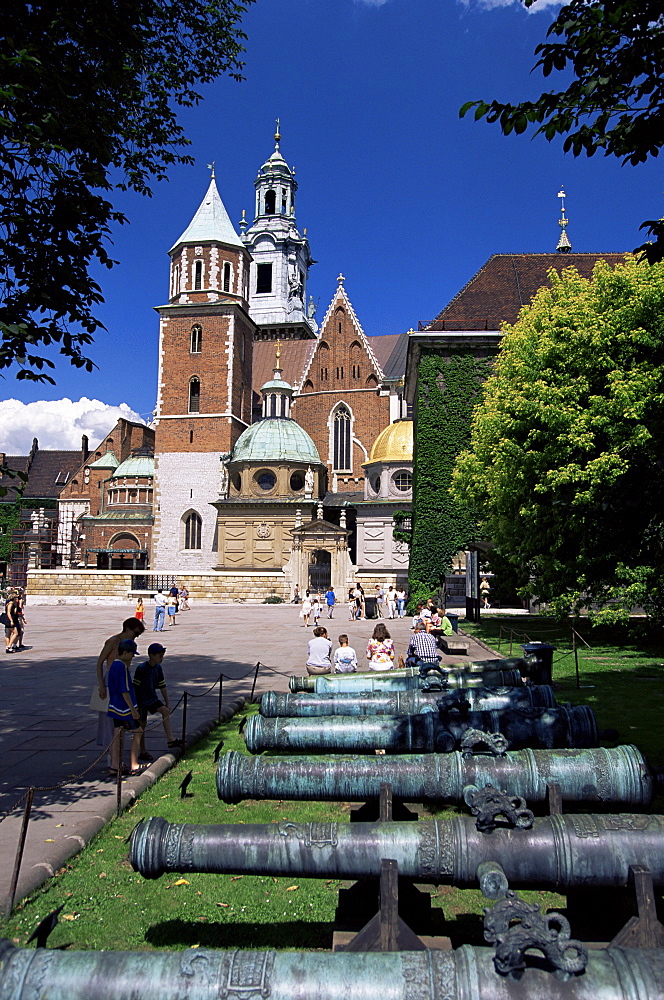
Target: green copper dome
x,y
275,439
135,465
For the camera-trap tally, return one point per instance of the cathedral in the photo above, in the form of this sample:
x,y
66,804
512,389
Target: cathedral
x,y
282,446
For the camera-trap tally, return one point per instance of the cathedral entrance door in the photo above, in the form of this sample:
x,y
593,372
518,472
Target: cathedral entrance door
x,y
320,571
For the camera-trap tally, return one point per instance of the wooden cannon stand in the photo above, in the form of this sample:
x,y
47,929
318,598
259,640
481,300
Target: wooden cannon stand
x,y
402,906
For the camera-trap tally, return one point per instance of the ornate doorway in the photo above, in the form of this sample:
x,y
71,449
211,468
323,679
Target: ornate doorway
x,y
320,571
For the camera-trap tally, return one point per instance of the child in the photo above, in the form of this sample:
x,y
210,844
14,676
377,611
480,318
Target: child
x,y
171,608
345,657
148,677
139,613
122,707
320,647
316,610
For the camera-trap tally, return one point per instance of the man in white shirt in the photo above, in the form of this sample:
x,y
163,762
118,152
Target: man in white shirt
x,y
159,611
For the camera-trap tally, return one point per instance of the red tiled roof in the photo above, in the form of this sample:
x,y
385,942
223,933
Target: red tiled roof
x,y
382,346
294,356
507,282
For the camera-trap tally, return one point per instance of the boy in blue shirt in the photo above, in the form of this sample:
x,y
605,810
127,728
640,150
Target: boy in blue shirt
x,y
122,707
148,679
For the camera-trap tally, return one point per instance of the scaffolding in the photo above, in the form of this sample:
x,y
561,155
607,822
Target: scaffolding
x,y
34,544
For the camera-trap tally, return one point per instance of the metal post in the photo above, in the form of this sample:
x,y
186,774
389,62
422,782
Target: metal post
x,y
221,694
184,716
119,736
19,853
576,659
253,686
511,639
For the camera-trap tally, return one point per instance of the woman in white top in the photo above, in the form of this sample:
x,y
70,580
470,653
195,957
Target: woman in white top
x,y
320,648
306,611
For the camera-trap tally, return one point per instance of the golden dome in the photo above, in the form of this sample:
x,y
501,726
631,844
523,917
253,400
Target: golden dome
x,y
394,444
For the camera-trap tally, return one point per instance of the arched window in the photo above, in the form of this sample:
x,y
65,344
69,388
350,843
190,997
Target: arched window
x,y
270,203
176,280
273,404
198,275
193,524
194,394
342,461
196,339
227,277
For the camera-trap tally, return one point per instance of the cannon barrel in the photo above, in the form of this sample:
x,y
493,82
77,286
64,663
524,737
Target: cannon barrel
x,y
465,974
619,776
413,702
563,852
563,726
486,673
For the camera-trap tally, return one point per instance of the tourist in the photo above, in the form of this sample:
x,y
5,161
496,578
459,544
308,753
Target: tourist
x,y
485,589
122,708
439,624
171,608
316,609
11,621
330,600
423,613
296,595
306,611
139,613
352,606
391,598
380,649
320,648
380,601
159,611
401,602
345,657
422,646
131,629
148,679
183,599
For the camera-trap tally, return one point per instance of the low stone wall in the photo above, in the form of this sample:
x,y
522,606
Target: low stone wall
x,y
86,586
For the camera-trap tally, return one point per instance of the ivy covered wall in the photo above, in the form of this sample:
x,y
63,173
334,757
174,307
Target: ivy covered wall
x,y
449,386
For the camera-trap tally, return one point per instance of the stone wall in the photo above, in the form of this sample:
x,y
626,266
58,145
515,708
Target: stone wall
x,y
65,586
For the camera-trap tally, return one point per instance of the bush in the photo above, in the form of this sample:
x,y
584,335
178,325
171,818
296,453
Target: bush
x,y
273,599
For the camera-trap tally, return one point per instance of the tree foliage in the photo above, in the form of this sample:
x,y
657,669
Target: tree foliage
x,y
565,467
615,100
89,97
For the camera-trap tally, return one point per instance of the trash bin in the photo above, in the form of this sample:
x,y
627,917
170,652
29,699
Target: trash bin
x,y
371,607
539,657
454,620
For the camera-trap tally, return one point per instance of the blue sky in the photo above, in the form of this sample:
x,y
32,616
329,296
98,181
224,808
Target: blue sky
x,y
394,189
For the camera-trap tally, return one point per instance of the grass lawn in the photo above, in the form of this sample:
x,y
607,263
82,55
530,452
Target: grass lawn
x,y
622,676
109,906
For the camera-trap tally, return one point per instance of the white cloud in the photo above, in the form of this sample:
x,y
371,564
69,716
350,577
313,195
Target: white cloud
x,y
57,423
372,3
492,4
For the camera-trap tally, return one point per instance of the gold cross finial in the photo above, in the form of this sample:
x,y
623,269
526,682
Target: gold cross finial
x,y
278,352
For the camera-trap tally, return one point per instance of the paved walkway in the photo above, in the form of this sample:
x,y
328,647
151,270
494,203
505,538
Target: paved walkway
x,y
47,733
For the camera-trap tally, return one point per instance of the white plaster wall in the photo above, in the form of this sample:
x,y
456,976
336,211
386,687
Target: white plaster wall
x,y
376,547
185,481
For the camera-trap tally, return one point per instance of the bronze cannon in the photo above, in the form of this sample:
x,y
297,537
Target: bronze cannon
x,y
620,776
468,973
485,673
558,852
413,702
562,726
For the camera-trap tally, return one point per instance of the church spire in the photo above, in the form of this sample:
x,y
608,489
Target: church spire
x,y
564,245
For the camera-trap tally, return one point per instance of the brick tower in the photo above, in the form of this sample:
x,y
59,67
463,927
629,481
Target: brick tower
x,y
204,394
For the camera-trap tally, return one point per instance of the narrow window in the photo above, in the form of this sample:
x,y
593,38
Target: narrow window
x,y
194,395
227,277
191,437
341,441
270,203
273,404
196,339
323,374
198,275
263,278
340,372
283,202
192,531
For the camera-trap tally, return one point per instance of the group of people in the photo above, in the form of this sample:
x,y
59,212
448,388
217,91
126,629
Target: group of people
x,y
430,623
177,599
13,619
313,606
131,699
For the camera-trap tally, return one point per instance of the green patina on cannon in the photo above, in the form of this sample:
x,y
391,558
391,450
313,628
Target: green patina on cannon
x,y
554,852
562,726
620,776
413,702
200,974
485,673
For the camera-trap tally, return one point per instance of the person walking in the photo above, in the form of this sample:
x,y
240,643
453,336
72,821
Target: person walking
x,y
330,600
401,602
139,613
391,597
306,611
171,609
159,611
183,599
485,589
380,601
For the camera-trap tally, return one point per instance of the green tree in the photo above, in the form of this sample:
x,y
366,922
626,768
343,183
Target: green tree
x,y
89,95
565,469
615,100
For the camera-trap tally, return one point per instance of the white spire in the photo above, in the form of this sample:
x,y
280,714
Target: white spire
x,y
211,222
564,245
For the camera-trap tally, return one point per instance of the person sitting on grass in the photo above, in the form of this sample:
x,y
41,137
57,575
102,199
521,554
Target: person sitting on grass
x,y
320,647
148,679
122,707
345,657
